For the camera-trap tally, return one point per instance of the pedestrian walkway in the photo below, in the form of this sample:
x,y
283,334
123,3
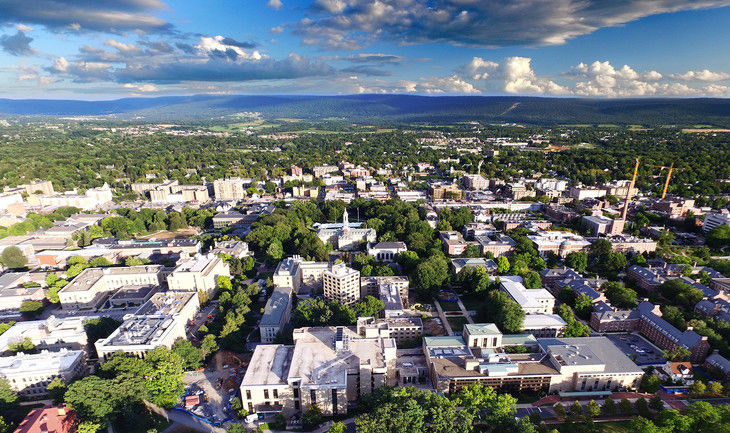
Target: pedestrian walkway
x,y
442,316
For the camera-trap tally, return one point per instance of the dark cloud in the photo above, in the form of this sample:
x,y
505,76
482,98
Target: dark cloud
x,y
374,58
17,44
235,43
222,69
157,46
367,70
185,48
96,15
350,24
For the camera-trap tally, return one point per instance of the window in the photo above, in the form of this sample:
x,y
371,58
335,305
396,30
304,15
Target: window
x,y
313,396
248,394
276,393
266,394
296,392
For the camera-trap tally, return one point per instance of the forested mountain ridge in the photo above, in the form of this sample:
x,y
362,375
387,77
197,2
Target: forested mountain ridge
x,y
396,108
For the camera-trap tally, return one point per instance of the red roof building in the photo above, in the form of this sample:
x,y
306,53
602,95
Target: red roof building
x,y
48,419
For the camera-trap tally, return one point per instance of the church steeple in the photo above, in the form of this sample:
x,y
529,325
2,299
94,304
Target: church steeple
x,y
345,221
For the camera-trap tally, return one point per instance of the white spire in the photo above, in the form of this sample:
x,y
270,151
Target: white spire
x,y
345,221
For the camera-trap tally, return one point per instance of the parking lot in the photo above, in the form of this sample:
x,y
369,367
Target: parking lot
x,y
638,349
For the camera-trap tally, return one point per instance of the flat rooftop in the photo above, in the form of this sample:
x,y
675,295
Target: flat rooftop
x,y
269,365
166,303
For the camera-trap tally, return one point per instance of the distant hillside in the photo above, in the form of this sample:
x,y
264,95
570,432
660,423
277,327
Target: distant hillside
x,y
396,108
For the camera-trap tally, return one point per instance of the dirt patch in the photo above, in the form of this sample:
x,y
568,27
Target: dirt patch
x,y
166,234
433,327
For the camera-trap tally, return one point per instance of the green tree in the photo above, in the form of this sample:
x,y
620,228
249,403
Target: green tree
x,y
164,380
237,428
698,388
619,295
577,260
94,399
369,307
656,403
99,262
714,388
609,407
312,418
99,328
593,409
719,237
650,383
503,265
4,326
12,257
189,354
338,427
504,312
576,409
643,425
56,389
208,346
23,346
31,307
625,406
642,407
88,427
560,411
8,397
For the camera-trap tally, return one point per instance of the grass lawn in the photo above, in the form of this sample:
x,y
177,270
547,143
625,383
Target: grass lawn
x,y
615,427
145,422
457,323
474,302
449,306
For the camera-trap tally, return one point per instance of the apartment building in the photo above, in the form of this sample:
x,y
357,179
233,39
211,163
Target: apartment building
x,y
646,320
341,284
715,219
597,224
93,285
444,191
582,192
91,199
230,189
277,313
475,181
402,329
532,301
199,274
328,366
30,374
303,276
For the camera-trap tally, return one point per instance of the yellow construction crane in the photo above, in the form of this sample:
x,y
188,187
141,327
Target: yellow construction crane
x,y
669,175
628,193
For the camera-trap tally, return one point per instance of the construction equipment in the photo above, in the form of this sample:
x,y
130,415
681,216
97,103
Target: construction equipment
x,y
669,175
628,192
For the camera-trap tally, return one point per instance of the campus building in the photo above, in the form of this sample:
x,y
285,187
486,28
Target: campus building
x,y
647,322
301,275
30,374
159,322
386,252
345,236
550,365
199,274
327,366
276,313
93,285
532,301
52,333
559,243
341,284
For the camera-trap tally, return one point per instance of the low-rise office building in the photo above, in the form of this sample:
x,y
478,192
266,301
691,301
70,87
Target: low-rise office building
x,y
277,313
552,365
532,301
496,244
30,374
52,333
93,285
303,276
199,274
559,243
454,243
386,252
374,286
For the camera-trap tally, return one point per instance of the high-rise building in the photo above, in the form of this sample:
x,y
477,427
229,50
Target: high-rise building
x,y
341,284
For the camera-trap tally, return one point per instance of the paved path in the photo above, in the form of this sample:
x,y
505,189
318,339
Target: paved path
x,y
442,316
463,310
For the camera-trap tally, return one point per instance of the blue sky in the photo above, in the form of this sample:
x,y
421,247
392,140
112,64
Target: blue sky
x,y
103,49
